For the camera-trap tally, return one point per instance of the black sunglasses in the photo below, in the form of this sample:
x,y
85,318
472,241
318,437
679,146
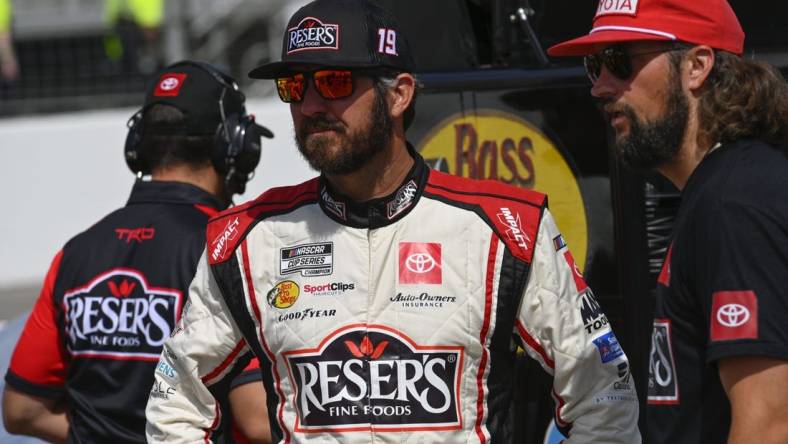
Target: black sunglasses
x,y
617,61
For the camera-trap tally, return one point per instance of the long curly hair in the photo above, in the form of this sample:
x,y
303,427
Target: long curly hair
x,y
744,98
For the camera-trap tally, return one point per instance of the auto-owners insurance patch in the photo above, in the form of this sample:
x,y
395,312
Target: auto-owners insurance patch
x,y
309,259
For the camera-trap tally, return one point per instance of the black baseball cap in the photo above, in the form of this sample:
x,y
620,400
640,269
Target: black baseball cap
x,y
206,96
341,33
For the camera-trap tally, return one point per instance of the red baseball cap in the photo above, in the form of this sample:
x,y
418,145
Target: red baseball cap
x,y
700,22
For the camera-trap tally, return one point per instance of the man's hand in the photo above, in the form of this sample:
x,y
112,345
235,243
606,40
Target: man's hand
x,y
758,391
43,418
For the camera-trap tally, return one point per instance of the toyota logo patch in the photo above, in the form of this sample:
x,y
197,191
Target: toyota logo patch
x,y
169,85
733,315
420,263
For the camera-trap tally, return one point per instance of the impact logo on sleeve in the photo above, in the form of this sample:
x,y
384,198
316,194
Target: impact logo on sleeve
x,y
310,34
663,387
362,377
420,263
308,259
734,315
514,228
118,315
221,242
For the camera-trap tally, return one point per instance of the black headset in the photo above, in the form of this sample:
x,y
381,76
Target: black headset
x,y
237,143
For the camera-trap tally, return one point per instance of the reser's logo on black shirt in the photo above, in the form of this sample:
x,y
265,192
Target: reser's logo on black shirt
x,y
369,376
118,315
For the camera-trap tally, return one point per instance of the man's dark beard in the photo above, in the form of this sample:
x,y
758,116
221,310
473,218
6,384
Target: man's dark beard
x,y
357,148
651,144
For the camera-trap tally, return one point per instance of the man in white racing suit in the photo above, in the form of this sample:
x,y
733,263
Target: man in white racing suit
x,y
385,300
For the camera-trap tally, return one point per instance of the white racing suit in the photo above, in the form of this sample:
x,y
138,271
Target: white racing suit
x,y
393,321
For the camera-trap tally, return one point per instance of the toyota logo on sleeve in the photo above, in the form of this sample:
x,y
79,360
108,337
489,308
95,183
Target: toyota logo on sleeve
x,y
420,263
733,315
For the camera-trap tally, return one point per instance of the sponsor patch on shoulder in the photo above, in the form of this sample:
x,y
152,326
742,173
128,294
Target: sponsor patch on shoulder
x,y
608,346
308,259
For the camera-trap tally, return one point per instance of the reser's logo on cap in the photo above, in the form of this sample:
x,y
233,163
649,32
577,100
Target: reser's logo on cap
x,y
311,33
363,376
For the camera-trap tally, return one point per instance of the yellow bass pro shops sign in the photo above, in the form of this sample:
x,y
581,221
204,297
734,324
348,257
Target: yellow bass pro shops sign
x,y
491,144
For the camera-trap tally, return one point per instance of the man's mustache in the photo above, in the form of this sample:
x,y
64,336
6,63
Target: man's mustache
x,y
321,123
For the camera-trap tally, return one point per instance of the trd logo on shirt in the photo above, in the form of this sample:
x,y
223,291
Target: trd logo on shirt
x,y
311,33
364,376
663,386
118,315
135,234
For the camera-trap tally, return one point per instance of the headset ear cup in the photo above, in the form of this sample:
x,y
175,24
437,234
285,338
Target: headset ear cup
x,y
131,150
250,148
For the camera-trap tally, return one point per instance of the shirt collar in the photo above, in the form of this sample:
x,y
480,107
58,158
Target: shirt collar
x,y
378,212
157,191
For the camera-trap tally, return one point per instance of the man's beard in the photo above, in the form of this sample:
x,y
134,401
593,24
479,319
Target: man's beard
x,y
651,144
355,150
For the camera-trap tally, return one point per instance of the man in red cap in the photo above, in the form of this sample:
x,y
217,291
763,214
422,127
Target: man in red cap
x,y
681,101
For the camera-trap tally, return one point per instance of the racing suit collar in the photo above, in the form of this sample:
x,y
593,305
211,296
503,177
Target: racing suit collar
x,y
157,191
378,212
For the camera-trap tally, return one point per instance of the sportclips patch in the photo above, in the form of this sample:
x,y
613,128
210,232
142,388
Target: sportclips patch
x,y
311,33
362,377
118,315
308,259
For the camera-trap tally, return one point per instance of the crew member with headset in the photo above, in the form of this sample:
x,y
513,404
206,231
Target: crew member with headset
x,y
84,364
